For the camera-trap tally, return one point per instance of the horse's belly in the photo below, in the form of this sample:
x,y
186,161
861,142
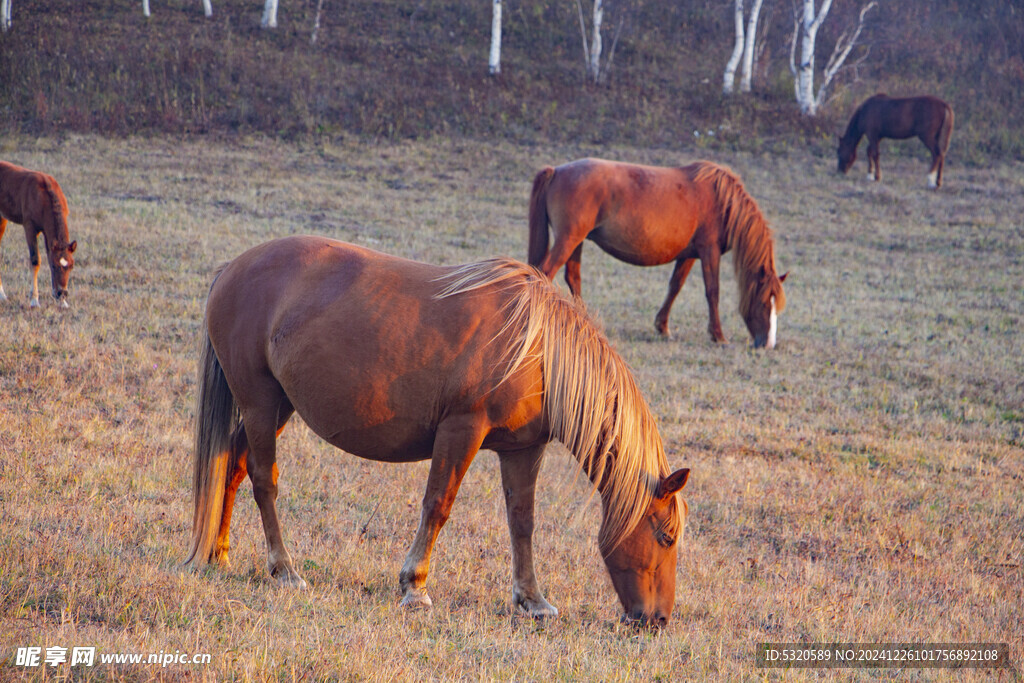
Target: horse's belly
x,y
643,245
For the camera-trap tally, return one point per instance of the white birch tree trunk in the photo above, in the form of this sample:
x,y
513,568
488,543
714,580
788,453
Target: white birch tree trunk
x,y
207,8
729,78
494,60
839,54
5,15
316,22
145,8
809,25
594,68
269,19
748,47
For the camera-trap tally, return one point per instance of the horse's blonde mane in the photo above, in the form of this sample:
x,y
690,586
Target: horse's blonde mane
x,y
747,234
57,206
591,400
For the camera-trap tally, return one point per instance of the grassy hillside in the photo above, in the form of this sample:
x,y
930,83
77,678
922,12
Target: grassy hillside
x,y
860,483
414,69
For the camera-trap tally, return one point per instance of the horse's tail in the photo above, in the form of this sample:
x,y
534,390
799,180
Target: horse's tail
x,y
946,129
539,216
216,418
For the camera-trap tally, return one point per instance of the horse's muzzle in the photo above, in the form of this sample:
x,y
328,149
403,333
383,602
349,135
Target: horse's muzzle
x,y
640,620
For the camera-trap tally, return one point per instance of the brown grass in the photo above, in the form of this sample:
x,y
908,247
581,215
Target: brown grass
x,y
863,482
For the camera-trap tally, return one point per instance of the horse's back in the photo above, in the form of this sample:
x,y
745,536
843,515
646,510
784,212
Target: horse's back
x,y
644,215
359,341
24,193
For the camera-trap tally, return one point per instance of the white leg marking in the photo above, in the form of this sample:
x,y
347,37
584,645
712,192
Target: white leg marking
x,y
871,176
773,323
3,294
932,178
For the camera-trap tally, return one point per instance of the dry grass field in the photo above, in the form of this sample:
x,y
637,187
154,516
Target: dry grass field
x,y
863,482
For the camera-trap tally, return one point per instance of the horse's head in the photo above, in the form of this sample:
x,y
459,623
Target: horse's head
x,y
846,154
61,262
761,310
643,564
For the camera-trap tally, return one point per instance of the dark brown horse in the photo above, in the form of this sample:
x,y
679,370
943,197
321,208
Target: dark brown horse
x,y
400,361
881,116
649,216
36,201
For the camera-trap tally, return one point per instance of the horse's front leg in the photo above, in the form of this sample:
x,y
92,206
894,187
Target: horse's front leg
x,y
455,444
873,160
675,283
519,480
33,262
709,266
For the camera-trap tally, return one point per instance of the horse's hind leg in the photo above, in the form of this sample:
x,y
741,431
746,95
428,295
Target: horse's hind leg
x,y
260,430
572,271
236,473
3,227
675,283
455,444
519,480
935,172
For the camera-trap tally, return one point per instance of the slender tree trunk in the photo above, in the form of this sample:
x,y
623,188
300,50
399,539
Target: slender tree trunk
x,y
809,25
595,42
748,48
729,78
494,60
5,15
269,19
316,22
207,8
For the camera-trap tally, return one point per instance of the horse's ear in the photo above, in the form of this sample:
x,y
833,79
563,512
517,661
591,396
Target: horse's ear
x,y
673,483
784,276
71,247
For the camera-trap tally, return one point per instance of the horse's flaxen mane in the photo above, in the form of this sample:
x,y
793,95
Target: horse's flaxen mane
x,y
591,400
61,236
747,234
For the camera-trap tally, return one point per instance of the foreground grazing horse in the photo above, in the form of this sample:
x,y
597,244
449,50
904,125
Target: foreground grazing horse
x,y
881,116
36,201
649,216
400,361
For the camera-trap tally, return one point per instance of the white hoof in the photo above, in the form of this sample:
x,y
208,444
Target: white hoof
x,y
417,599
64,303
3,294
34,303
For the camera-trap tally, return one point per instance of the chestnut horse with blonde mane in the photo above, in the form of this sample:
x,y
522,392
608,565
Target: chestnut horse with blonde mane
x,y
649,216
36,201
881,116
400,361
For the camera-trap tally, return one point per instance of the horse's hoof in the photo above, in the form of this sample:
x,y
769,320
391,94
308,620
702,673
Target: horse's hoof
x,y
64,303
34,303
538,609
292,581
417,599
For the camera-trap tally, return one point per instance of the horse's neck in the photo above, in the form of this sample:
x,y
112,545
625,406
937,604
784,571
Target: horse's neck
x,y
854,130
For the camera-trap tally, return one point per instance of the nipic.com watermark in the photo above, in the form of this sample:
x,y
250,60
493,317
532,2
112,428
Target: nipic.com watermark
x,y
55,656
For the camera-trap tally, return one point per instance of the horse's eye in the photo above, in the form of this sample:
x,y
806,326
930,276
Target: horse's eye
x,y
664,540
